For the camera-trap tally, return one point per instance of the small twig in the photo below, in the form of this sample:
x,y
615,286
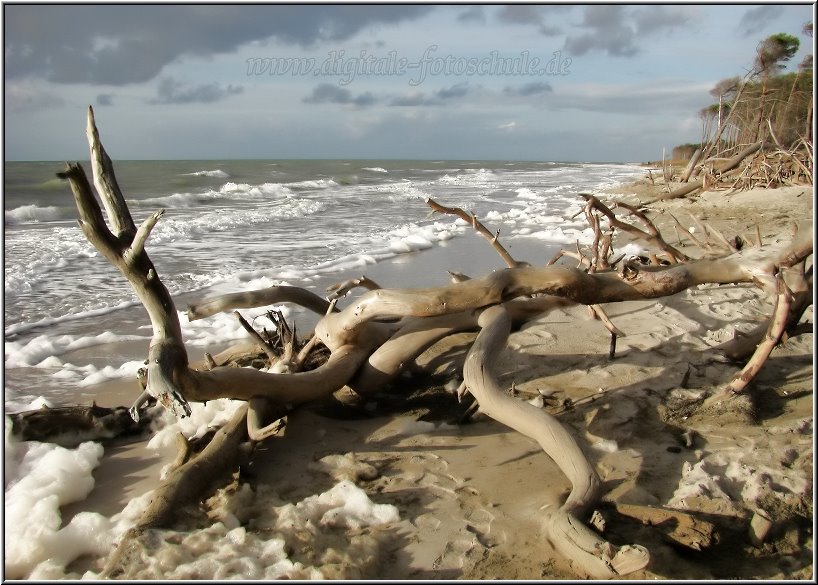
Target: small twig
x,y
722,240
263,345
458,276
480,228
652,234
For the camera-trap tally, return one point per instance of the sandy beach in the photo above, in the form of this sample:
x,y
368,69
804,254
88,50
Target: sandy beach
x,y
470,498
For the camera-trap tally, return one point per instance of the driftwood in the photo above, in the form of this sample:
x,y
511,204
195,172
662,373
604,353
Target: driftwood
x,y
68,426
189,480
721,169
743,345
694,160
590,554
381,331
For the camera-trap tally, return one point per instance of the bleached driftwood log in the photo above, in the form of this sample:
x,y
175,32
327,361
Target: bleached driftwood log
x,y
379,332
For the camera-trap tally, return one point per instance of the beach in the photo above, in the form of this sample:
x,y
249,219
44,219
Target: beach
x,y
395,488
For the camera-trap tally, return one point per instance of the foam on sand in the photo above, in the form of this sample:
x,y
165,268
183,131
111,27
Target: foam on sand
x,y
39,478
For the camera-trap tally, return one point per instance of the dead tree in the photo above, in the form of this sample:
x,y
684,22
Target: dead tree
x,y
379,332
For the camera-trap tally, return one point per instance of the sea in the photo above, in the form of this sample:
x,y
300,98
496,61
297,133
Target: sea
x,y
71,321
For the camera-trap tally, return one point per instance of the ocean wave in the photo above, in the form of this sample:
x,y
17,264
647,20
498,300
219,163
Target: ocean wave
x,y
217,173
401,240
471,177
172,229
35,214
178,200
405,189
32,256
262,190
230,191
50,321
375,169
311,184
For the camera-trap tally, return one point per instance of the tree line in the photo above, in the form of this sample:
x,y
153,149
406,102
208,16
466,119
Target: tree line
x,y
767,104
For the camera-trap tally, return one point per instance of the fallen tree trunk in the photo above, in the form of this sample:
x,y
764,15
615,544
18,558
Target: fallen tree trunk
x,y
726,167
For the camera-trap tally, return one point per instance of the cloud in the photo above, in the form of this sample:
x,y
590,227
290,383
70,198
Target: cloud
x,y
659,96
531,16
473,14
507,127
413,99
455,91
105,99
171,91
652,20
120,44
438,98
327,93
754,20
608,32
27,95
616,30
529,89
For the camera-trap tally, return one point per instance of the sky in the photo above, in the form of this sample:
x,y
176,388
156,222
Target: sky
x,y
613,83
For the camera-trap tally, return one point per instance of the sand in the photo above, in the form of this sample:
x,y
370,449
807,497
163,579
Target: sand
x,y
471,497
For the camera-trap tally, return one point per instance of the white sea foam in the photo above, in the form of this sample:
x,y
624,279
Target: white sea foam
x,y
262,190
97,376
334,521
224,326
526,193
471,177
203,416
401,190
34,352
181,227
33,255
39,478
375,169
402,240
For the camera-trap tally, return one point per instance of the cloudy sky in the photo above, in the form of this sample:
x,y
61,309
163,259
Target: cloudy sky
x,y
557,82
